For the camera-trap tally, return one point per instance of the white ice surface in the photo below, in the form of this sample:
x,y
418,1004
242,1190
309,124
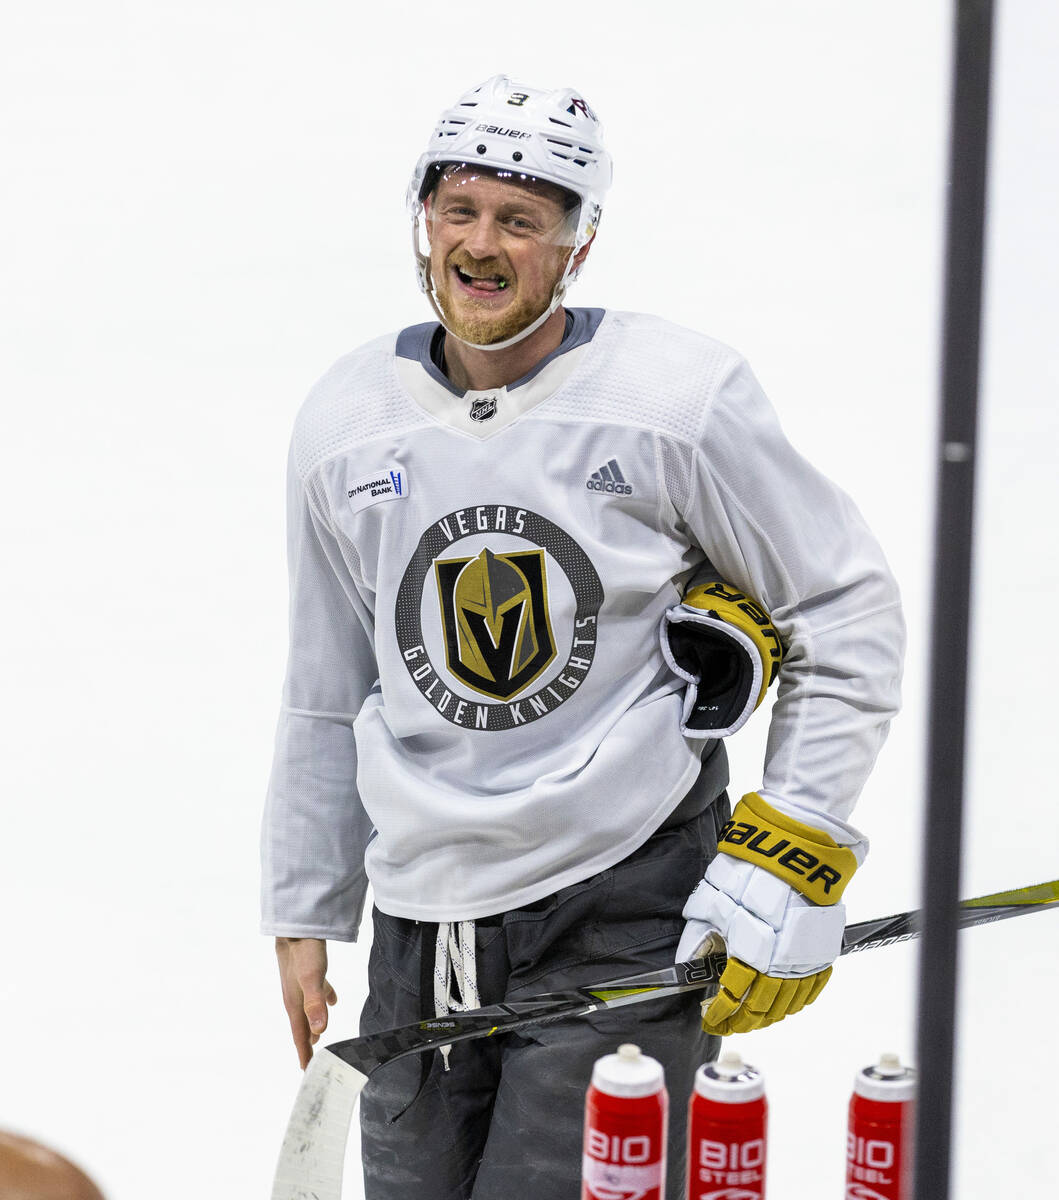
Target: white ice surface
x,y
201,209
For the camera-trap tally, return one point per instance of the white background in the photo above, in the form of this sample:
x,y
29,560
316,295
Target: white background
x,y
201,208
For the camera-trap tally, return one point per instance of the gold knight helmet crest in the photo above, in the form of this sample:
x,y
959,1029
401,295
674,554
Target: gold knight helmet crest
x,y
494,613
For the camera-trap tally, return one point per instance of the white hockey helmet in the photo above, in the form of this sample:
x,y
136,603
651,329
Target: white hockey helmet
x,y
532,133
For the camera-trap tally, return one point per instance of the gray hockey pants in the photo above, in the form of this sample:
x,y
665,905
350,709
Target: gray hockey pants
x,y
505,1121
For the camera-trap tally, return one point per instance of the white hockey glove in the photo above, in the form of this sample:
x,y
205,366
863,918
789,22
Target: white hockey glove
x,y
722,643
772,896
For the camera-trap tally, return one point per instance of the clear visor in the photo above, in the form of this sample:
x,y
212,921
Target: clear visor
x,y
507,204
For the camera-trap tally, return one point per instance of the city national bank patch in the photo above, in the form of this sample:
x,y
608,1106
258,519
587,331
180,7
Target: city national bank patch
x,y
388,483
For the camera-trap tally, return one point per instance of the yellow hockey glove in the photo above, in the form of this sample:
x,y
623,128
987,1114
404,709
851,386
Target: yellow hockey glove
x,y
772,895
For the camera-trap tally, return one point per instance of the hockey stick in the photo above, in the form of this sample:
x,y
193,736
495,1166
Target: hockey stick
x,y
313,1153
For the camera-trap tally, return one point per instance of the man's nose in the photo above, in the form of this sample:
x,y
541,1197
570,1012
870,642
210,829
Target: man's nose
x,y
483,239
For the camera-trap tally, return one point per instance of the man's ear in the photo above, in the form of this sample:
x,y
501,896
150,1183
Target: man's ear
x,y
582,254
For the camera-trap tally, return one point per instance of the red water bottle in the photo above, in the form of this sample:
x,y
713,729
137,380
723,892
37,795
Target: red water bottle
x,y
881,1128
626,1113
727,1127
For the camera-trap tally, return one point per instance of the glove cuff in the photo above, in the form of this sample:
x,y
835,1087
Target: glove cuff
x,y
738,611
807,859
723,645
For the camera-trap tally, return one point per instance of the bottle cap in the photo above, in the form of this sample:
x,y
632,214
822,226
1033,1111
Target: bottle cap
x,y
888,1079
729,1080
628,1073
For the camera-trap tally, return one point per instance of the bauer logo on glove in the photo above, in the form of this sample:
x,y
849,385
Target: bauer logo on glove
x,y
804,857
722,643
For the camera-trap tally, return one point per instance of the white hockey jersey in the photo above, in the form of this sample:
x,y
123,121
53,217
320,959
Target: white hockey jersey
x,y
477,711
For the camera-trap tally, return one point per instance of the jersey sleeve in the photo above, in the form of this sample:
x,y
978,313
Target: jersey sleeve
x,y
315,828
781,530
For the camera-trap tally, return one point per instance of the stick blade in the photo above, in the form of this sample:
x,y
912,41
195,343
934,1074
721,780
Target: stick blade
x,y
314,1147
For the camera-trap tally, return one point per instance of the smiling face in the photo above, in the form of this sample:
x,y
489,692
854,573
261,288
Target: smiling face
x,y
495,251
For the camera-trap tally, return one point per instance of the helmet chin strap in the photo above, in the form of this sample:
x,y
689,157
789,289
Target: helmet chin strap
x,y
557,299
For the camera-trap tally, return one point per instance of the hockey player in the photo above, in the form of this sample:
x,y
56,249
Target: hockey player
x,y
533,555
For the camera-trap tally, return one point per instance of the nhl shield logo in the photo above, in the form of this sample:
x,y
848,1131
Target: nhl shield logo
x,y
494,612
483,409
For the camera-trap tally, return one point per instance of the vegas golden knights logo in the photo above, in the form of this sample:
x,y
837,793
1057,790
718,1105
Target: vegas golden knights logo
x,y
494,613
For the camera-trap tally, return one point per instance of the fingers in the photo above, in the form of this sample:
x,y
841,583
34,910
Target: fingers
x,y
309,976
819,979
306,991
735,982
303,1040
748,1000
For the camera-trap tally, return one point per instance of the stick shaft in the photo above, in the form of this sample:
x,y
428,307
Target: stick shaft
x,y
367,1053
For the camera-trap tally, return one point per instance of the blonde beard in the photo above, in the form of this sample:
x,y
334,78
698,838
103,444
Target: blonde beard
x,y
484,327
487,328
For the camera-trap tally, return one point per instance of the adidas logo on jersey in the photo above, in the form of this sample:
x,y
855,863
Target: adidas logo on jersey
x,y
609,479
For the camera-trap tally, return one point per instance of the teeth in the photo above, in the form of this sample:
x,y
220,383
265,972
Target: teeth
x,y
493,278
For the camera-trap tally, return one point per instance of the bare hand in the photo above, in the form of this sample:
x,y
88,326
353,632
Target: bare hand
x,y
306,992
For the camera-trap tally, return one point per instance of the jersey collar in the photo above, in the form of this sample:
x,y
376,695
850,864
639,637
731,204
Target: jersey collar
x,y
485,413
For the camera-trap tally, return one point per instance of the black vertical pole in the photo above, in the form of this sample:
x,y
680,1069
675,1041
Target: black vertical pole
x,y
953,539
